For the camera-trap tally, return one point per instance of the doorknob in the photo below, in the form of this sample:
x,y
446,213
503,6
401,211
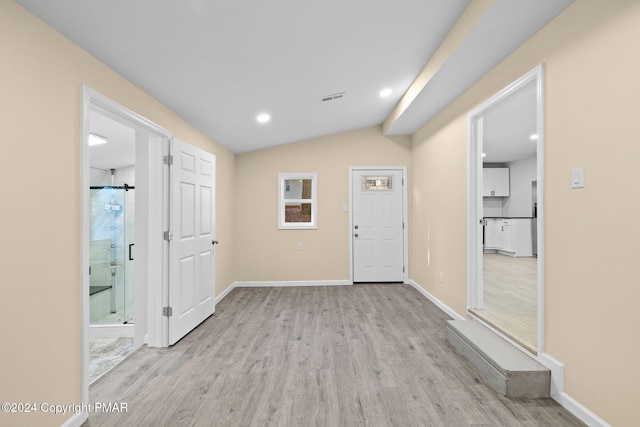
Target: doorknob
x,y
356,227
214,242
356,235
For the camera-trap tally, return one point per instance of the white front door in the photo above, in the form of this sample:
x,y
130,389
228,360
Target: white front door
x,y
378,225
191,260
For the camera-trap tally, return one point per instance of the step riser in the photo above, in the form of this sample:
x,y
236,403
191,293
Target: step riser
x,y
511,383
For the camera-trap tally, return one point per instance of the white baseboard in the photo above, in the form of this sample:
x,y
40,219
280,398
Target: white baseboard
x,y
76,420
442,306
585,415
293,283
225,293
557,373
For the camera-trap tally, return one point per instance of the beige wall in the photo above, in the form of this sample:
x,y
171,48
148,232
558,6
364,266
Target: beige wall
x,y
41,79
590,54
268,254
592,281
437,224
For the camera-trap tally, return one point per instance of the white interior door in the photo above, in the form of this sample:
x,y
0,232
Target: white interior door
x,y
378,221
191,255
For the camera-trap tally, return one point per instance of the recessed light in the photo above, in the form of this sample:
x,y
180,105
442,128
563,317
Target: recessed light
x,y
95,139
263,118
385,92
533,137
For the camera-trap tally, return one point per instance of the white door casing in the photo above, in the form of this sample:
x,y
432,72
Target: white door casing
x,y
149,216
378,247
191,248
475,191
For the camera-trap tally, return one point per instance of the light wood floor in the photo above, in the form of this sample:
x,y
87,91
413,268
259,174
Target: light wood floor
x,y
511,297
372,355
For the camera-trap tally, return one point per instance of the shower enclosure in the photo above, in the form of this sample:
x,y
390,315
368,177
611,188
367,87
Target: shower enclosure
x,y
112,255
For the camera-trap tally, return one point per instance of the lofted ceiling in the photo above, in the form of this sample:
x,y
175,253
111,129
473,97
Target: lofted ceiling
x,y
219,64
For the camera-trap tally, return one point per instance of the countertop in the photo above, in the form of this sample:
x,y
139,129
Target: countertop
x,y
508,217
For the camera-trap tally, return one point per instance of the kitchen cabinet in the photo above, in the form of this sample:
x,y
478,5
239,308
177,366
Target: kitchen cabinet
x,y
493,233
522,237
507,236
510,236
495,182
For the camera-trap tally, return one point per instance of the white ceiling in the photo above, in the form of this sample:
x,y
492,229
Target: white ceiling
x,y
220,63
508,126
119,151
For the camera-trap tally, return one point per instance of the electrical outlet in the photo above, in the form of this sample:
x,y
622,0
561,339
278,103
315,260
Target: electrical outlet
x,y
441,277
300,246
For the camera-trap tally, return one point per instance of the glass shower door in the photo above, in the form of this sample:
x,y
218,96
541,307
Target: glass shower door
x,y
111,273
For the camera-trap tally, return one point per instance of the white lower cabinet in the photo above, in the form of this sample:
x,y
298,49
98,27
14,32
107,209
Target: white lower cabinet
x,y
511,236
507,236
493,233
522,242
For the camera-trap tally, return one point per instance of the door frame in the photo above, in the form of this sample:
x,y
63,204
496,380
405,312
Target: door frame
x,y
152,143
405,234
474,194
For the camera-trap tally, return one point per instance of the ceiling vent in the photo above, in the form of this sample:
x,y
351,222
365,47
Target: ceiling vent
x,y
333,97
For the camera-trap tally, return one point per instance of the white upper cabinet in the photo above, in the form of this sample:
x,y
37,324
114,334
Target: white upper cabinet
x,y
495,182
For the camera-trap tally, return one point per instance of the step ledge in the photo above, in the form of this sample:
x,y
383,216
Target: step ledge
x,y
497,351
508,370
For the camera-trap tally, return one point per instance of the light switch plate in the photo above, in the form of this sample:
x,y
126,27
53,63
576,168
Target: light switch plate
x,y
577,178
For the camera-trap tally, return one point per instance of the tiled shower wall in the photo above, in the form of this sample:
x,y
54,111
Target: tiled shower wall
x,y
492,206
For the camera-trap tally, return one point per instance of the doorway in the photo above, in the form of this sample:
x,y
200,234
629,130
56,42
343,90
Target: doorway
x,y
191,185
111,147
378,225
505,212
130,215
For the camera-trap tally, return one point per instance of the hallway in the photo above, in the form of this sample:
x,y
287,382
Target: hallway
x,y
335,356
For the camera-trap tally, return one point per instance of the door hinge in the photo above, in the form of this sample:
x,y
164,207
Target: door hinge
x,y
167,311
403,225
403,269
168,235
168,160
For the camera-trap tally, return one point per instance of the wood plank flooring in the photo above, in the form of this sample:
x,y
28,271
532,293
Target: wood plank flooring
x,y
371,355
511,297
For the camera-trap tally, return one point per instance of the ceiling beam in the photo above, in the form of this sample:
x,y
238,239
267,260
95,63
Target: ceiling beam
x,y
474,12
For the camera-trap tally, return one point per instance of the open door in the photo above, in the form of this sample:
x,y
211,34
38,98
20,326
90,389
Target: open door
x,y
191,255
